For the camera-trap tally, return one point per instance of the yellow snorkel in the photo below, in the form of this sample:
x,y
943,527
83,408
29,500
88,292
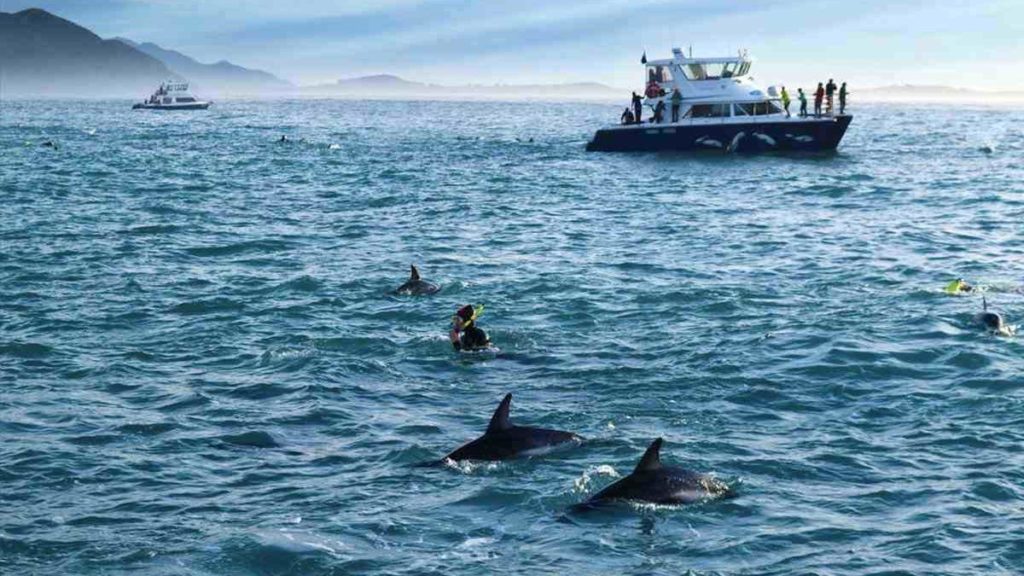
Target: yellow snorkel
x,y
956,286
459,322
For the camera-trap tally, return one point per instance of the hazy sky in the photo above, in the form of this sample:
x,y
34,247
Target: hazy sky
x,y
867,42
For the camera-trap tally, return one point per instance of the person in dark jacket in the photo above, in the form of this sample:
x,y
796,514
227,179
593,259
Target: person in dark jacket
x,y
659,112
627,116
638,108
465,334
819,95
803,102
830,91
842,98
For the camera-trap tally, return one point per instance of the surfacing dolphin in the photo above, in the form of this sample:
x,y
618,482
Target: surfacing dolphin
x,y
652,482
992,320
415,286
503,440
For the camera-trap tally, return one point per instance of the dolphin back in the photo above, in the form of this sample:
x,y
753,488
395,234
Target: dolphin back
x,y
503,440
653,482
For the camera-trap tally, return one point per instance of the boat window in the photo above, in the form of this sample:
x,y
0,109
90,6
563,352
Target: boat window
x,y
729,70
756,109
186,100
713,71
694,72
167,99
708,111
744,69
659,74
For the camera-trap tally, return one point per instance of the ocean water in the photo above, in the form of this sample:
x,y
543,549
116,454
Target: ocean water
x,y
203,371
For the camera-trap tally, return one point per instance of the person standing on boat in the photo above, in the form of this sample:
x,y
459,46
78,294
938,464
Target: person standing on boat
x,y
659,111
785,101
842,98
677,102
638,108
803,102
830,90
819,95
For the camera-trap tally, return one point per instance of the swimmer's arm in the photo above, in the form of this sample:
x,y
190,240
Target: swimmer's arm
x,y
454,337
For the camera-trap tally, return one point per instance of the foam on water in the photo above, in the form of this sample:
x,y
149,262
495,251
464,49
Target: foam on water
x,y
199,344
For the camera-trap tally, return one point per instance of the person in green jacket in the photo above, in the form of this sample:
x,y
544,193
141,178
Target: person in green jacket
x,y
803,102
677,102
785,101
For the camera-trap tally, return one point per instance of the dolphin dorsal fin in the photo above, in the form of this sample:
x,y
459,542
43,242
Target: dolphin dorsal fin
x,y
651,460
500,421
984,304
414,274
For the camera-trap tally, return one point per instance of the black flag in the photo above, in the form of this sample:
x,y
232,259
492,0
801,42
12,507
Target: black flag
x,y
643,59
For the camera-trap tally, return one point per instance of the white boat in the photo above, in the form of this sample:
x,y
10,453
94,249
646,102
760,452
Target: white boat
x,y
172,95
721,107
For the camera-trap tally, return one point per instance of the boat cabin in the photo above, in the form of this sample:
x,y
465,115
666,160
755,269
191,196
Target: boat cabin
x,y
728,77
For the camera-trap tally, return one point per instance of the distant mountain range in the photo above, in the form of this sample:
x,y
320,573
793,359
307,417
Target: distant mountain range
x,y
45,55
390,86
219,78
41,54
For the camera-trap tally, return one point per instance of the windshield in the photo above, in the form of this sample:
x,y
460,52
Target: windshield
x,y
714,70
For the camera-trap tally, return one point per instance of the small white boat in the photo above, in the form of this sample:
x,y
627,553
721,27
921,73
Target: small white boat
x,y
172,95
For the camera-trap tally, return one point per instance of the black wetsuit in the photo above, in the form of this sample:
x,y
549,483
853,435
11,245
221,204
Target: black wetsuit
x,y
472,338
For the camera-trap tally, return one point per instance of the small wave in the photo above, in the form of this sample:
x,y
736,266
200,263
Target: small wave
x,y
286,354
146,428
304,283
581,485
198,307
25,350
251,439
469,466
193,401
151,230
92,439
259,246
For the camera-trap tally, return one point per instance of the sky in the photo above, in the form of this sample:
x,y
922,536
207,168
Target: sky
x,y
868,43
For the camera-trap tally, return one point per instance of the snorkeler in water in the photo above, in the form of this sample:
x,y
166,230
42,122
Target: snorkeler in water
x,y
465,334
959,286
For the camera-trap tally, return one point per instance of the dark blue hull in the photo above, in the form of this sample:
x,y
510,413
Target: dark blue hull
x,y
196,106
805,134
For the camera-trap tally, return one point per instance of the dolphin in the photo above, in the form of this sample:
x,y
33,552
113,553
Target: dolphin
x,y
652,482
504,441
735,144
710,142
415,286
992,320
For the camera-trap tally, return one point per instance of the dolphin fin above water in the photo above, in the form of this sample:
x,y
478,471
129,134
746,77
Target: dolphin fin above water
x,y
500,419
993,320
653,482
651,460
416,286
503,440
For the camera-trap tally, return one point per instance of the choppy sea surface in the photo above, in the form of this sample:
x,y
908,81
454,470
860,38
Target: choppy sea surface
x,y
203,370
